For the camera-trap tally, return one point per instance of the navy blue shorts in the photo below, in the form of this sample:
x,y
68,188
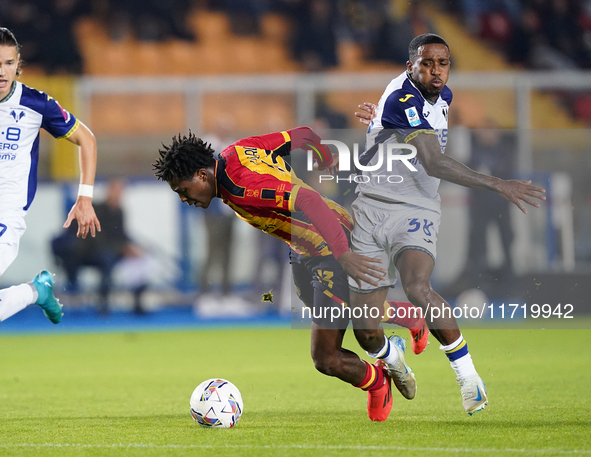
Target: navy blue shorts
x,y
322,284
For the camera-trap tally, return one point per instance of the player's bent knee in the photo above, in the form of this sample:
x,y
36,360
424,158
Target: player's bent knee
x,y
370,339
417,291
327,364
327,367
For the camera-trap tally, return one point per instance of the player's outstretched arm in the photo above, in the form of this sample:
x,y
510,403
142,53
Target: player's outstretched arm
x,y
444,167
283,143
82,210
359,267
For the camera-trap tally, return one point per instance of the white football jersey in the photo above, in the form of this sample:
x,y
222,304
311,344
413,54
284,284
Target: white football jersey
x,y
402,114
23,113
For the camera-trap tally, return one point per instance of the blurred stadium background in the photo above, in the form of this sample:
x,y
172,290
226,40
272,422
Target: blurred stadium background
x,y
139,72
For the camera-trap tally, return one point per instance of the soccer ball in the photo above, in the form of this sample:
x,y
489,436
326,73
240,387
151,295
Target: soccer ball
x,y
216,403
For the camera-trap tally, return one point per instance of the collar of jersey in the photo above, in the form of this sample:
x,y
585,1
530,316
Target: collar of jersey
x,y
10,93
413,85
215,174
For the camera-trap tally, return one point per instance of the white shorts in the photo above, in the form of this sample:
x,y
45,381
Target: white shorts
x,y
11,231
385,230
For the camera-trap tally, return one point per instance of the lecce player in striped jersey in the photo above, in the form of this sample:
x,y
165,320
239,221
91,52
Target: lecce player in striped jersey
x,y
251,177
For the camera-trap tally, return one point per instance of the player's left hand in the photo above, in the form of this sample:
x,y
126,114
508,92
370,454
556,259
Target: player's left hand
x,y
84,214
369,112
517,191
362,268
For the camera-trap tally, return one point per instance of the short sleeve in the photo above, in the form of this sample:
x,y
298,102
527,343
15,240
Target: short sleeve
x,y
57,121
403,113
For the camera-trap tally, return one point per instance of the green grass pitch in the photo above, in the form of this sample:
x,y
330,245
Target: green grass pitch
x,y
111,394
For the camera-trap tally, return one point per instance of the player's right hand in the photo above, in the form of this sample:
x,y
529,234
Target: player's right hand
x,y
369,112
362,268
84,214
517,191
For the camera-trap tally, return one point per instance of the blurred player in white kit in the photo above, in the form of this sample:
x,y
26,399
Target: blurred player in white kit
x,y
23,112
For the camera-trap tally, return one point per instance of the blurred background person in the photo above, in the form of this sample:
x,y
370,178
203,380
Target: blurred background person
x,y
219,225
492,151
103,252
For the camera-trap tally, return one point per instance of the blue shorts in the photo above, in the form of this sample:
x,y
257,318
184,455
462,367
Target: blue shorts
x,y
322,284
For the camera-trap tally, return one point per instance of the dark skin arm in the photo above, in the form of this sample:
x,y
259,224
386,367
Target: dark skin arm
x,y
361,268
444,167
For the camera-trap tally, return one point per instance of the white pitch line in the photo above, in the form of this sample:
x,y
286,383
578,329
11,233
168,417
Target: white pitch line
x,y
298,446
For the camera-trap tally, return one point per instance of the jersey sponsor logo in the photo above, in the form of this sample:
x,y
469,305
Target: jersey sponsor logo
x,y
413,117
252,154
11,146
17,117
405,98
5,156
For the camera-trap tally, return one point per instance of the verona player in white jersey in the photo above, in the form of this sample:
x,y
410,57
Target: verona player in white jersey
x,y
23,112
398,221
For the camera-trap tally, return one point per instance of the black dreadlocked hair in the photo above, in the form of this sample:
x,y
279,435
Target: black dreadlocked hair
x,y
183,158
422,40
7,38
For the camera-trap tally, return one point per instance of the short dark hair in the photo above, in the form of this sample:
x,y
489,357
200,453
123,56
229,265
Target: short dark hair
x,y
422,40
7,38
183,158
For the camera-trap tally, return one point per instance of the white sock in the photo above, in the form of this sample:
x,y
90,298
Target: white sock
x,y
15,299
388,353
463,365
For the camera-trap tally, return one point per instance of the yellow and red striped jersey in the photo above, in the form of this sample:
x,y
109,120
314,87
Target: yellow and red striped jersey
x,y
254,180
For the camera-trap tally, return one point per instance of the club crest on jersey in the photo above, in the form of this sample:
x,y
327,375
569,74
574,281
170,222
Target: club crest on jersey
x,y
17,117
444,112
413,117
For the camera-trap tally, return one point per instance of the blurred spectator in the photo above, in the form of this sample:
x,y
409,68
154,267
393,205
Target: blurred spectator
x,y
315,43
219,220
394,30
540,34
561,27
493,152
60,53
25,20
334,119
103,252
47,28
244,15
523,36
150,20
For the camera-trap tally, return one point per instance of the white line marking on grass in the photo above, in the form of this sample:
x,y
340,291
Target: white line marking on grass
x,y
297,446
